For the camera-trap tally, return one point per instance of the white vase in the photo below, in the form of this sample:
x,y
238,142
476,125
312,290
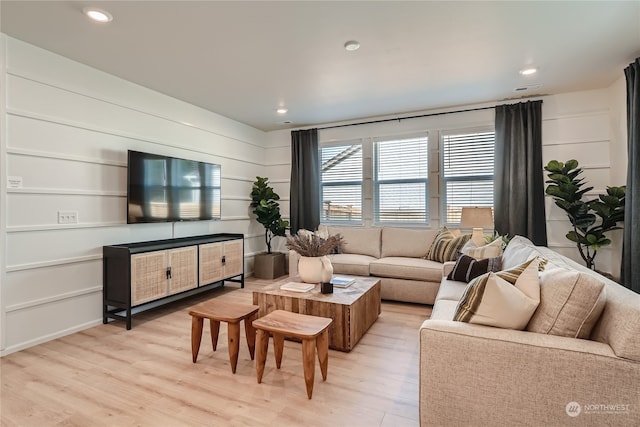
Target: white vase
x,y
315,269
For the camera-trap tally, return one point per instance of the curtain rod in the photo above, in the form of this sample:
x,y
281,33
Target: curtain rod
x,y
405,118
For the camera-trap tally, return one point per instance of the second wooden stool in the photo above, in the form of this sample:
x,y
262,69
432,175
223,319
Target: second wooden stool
x,y
220,311
312,330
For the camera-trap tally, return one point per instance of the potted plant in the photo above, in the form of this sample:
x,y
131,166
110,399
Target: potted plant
x,y
264,201
590,219
314,266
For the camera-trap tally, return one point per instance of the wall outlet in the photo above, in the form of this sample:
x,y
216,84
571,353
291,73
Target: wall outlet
x,y
67,217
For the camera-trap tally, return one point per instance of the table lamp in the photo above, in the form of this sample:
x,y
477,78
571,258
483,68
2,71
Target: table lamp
x,y
477,218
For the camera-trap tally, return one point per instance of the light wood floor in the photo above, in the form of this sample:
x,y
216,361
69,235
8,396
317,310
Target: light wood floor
x,y
108,376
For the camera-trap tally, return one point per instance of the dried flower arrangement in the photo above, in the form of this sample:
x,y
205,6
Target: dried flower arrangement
x,y
310,244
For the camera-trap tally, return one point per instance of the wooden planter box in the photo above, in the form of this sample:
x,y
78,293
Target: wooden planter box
x,y
269,266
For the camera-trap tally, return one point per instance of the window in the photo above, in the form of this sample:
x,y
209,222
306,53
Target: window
x,y
467,172
341,175
401,180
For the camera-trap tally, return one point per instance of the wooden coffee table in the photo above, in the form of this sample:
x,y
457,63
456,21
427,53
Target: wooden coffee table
x,y
353,309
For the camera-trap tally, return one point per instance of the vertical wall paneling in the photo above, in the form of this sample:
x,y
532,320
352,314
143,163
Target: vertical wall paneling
x,y
65,132
618,156
3,192
578,126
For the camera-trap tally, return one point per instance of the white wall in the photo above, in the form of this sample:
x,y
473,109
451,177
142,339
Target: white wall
x,y
619,160
66,129
585,126
578,126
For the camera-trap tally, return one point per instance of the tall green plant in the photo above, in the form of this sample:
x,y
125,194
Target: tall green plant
x,y
264,202
590,219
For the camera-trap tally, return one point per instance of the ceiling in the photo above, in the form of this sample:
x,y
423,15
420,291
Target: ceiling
x,y
245,59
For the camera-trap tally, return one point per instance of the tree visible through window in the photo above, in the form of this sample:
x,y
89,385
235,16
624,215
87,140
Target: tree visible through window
x,y
468,170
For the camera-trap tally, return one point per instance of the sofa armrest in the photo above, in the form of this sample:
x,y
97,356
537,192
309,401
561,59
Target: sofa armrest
x,y
447,267
478,375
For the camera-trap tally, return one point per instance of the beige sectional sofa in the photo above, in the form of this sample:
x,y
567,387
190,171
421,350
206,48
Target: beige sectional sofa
x,y
475,375
395,255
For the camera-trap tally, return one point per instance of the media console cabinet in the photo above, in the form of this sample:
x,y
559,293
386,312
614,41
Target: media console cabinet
x,y
135,274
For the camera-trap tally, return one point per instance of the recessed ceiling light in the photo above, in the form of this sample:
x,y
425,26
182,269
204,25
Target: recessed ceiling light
x,y
528,71
97,15
281,110
352,45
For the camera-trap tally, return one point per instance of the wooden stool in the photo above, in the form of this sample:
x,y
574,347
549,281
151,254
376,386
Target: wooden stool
x,y
220,311
312,330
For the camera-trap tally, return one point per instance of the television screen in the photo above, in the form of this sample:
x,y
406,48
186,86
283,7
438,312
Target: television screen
x,y
168,189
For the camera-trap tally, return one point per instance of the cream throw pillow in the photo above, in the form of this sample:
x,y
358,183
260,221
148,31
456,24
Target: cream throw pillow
x,y
492,299
491,250
570,303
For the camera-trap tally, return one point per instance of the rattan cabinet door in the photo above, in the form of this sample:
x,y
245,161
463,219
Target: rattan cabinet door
x,y
234,258
148,276
210,263
184,269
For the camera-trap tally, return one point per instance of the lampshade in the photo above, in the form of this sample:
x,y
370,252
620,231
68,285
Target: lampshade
x,y
476,217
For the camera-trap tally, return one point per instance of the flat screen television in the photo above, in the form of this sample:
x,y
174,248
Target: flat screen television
x,y
168,189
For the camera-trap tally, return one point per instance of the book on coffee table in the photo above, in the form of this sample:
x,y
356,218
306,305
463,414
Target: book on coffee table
x,y
297,287
342,282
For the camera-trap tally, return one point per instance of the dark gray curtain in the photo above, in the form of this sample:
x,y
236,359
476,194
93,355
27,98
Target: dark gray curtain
x,y
630,271
519,181
305,180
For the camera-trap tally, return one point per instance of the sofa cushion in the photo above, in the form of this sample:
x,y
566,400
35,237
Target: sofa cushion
x,y
493,300
467,267
414,291
491,250
358,240
446,246
450,290
407,242
407,268
570,303
521,249
444,310
355,264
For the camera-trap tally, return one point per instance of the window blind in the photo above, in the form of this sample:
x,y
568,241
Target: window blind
x,y
341,171
468,170
401,180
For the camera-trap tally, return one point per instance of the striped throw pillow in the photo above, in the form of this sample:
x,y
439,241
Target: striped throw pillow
x,y
446,246
506,299
468,268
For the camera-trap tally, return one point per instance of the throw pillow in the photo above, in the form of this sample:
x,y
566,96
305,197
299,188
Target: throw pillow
x,y
491,250
570,304
446,246
493,300
467,268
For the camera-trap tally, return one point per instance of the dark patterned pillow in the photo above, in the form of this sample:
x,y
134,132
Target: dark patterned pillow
x,y
468,268
446,246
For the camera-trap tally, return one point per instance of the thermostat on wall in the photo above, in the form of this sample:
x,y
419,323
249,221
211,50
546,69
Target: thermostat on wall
x,y
14,182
